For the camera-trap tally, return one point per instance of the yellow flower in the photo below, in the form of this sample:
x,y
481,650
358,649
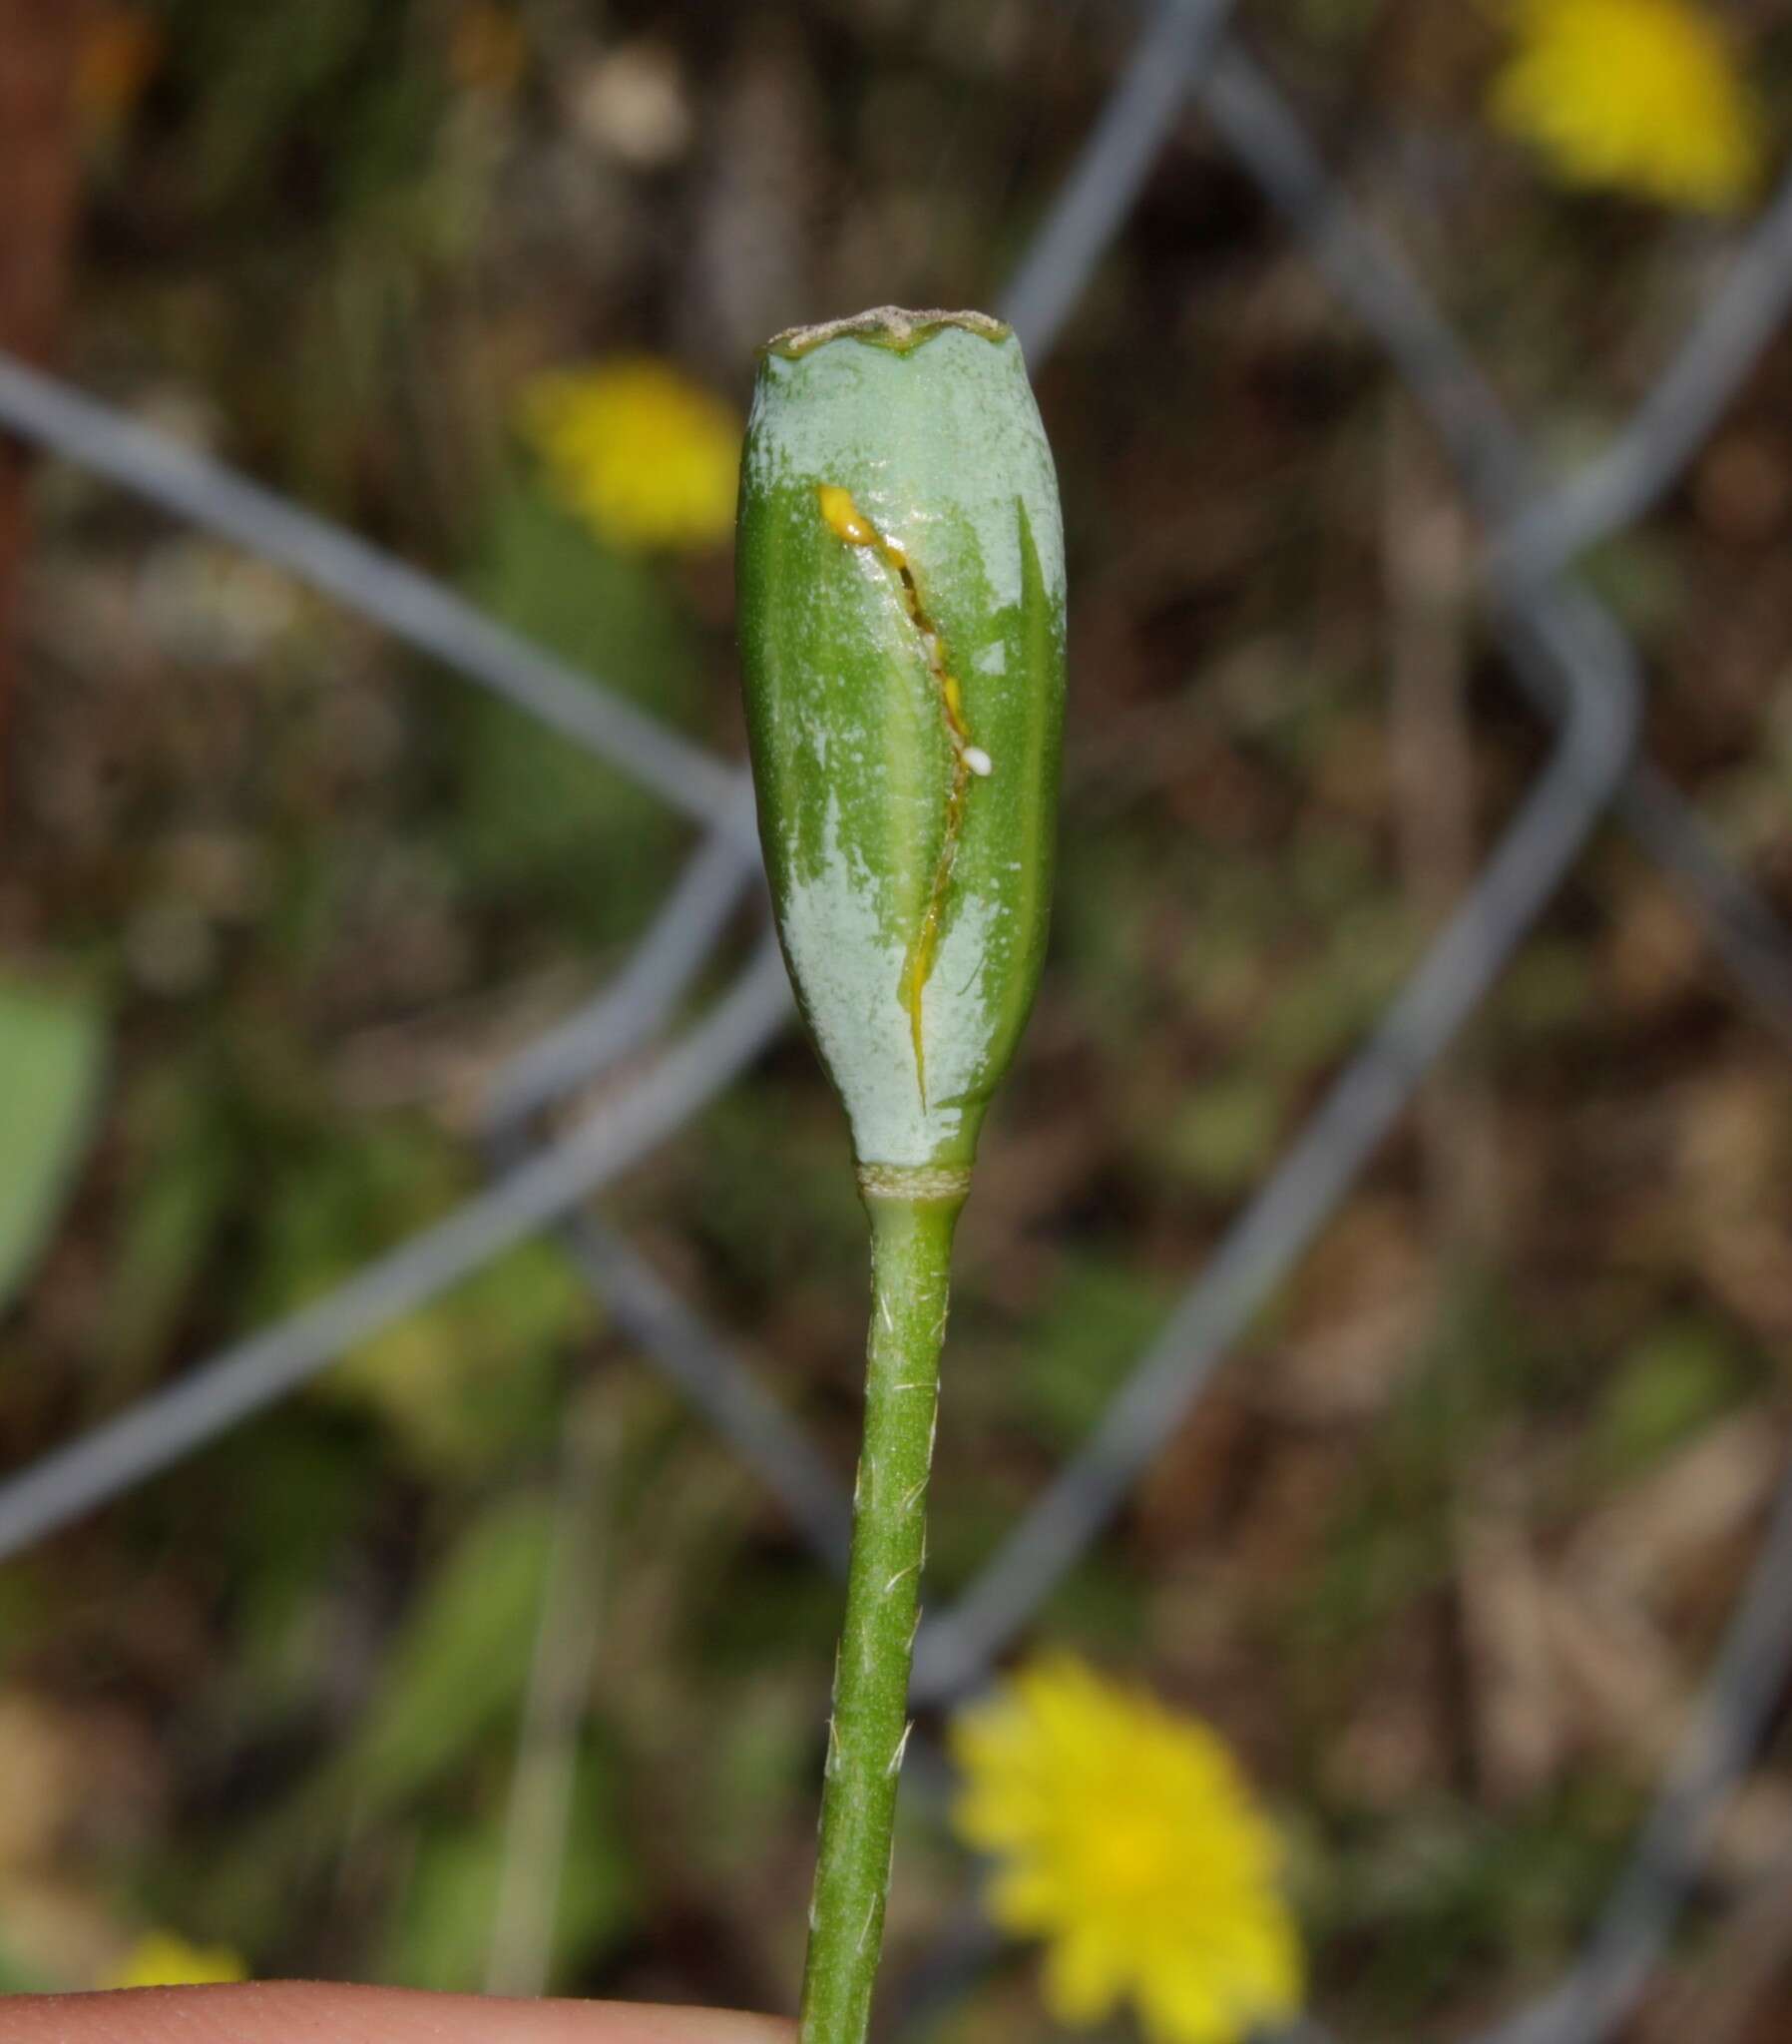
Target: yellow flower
x,y
160,1960
1640,95
1126,1837
643,455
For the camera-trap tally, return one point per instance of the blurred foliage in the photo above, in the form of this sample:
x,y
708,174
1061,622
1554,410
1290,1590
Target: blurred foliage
x,y
49,1056
529,811
1446,1546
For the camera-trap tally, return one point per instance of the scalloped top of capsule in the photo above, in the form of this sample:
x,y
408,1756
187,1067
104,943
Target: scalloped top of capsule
x,y
887,326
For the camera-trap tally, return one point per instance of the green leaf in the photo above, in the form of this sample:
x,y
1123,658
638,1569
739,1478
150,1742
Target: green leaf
x,y
453,1676
461,1661
50,1045
1102,1313
1675,1382
1223,1134
532,812
441,1933
179,1173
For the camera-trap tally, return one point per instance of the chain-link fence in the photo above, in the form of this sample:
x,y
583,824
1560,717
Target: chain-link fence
x,y
1564,648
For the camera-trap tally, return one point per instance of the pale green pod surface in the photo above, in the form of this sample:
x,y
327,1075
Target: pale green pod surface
x,y
901,605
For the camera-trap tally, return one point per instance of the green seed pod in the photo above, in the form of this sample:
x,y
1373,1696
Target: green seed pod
x,y
901,604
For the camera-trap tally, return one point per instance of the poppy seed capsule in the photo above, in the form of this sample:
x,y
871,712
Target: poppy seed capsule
x,y
901,605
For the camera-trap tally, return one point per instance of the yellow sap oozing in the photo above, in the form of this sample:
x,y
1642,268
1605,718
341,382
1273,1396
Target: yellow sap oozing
x,y
848,523
843,515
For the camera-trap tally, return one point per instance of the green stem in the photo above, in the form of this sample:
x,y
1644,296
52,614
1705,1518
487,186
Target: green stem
x,y
911,1252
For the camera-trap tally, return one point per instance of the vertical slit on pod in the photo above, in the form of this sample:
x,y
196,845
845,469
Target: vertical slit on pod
x,y
848,523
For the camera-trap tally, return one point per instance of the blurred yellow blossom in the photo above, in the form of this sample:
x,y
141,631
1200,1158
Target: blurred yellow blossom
x,y
1126,1837
160,1960
1641,95
645,456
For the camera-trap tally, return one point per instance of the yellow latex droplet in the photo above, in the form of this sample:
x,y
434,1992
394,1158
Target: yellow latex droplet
x,y
842,516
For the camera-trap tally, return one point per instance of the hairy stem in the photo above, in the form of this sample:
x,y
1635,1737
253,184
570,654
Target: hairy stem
x,y
911,1249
